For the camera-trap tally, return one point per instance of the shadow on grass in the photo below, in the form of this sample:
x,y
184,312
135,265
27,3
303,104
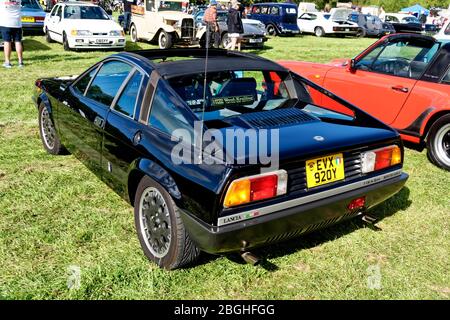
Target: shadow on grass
x,y
258,50
398,202
34,45
132,46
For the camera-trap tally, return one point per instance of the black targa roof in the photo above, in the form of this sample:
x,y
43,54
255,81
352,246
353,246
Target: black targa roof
x,y
178,62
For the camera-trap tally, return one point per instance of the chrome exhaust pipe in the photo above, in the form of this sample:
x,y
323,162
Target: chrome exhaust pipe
x,y
250,258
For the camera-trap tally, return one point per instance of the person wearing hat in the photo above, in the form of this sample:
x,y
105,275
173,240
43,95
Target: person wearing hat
x,y
210,18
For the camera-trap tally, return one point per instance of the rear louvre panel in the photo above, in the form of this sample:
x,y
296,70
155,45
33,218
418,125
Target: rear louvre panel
x,y
276,118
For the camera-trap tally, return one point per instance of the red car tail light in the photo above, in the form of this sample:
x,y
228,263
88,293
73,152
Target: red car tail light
x,y
257,187
39,18
380,158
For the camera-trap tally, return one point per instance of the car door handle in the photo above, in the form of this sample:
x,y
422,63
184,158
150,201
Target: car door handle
x,y
137,138
99,122
400,88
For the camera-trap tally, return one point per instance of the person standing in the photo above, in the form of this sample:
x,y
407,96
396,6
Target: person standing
x,y
11,28
127,13
235,27
212,27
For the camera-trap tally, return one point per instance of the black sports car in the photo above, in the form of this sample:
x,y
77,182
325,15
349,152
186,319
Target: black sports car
x,y
227,162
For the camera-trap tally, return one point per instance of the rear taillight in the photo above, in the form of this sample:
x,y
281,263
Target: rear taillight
x,y
257,187
39,18
380,158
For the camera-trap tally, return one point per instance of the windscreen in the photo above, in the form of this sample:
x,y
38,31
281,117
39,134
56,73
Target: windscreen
x,y
229,93
85,12
170,6
30,4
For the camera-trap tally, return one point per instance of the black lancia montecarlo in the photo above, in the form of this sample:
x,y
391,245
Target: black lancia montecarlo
x,y
131,118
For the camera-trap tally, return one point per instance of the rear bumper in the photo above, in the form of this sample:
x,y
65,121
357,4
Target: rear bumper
x,y
253,42
288,223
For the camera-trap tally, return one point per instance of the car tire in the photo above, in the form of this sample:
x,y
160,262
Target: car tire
x,y
47,36
438,142
271,30
164,40
65,42
133,33
225,39
47,132
361,33
319,32
154,209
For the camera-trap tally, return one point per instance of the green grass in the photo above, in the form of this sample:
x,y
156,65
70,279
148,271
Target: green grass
x,y
54,214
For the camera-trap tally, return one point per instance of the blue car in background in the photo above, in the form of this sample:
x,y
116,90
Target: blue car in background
x,y
279,18
32,16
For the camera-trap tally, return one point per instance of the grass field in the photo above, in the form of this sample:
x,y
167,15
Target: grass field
x,y
56,216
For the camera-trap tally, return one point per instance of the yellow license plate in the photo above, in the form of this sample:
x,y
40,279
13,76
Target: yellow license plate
x,y
324,170
27,19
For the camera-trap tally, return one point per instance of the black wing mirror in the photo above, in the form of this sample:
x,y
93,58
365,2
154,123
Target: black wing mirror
x,y
351,65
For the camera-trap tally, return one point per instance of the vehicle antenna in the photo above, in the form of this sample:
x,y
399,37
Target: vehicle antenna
x,y
204,92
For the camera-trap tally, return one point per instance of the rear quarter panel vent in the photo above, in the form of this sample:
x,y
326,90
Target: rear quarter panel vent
x,y
277,118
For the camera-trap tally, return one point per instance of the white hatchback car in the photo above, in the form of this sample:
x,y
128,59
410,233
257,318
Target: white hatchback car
x,y
79,25
444,33
322,23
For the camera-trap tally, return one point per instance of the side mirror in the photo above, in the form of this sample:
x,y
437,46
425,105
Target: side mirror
x,y
350,65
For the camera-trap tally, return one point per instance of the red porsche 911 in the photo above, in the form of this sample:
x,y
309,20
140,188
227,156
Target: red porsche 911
x,y
403,80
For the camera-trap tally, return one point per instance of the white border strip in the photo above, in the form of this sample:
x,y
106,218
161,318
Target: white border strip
x,y
306,199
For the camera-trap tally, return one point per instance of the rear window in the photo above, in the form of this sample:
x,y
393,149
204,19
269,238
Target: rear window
x,y
230,93
290,10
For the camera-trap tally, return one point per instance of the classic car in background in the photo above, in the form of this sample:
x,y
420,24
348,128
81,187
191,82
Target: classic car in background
x,y
125,116
81,25
403,22
279,18
335,22
403,80
444,33
371,25
33,16
254,31
164,23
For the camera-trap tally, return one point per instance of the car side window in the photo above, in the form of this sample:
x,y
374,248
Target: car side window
x,y
107,82
400,58
275,11
446,78
127,101
59,12
447,30
366,62
82,84
256,10
264,10
53,12
149,5
165,114
308,16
